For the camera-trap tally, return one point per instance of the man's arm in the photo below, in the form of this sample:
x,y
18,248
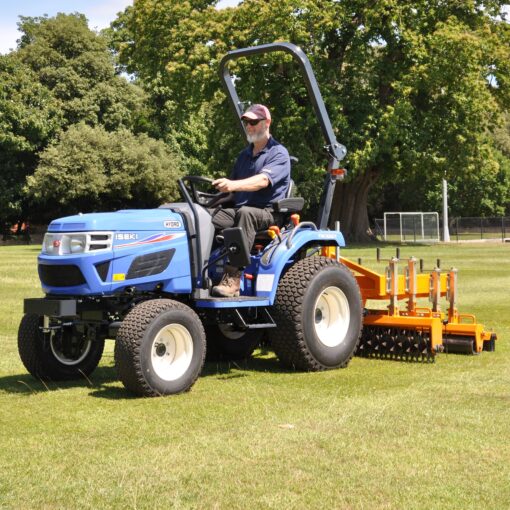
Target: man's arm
x,y
254,183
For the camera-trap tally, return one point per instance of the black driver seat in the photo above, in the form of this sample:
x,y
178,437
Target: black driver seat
x,y
283,209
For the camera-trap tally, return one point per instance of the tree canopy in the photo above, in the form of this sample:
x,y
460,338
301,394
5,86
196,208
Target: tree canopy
x,y
415,90
90,169
29,117
58,90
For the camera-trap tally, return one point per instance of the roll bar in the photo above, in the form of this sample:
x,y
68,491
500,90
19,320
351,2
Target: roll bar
x,y
336,151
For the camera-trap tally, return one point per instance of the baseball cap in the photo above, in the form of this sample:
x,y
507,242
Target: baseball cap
x,y
257,111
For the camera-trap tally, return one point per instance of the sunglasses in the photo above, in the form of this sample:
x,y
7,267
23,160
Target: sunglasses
x,y
252,122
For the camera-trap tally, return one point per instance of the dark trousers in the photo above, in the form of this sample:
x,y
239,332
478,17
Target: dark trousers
x,y
250,219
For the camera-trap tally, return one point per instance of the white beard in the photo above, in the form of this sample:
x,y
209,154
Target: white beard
x,y
256,137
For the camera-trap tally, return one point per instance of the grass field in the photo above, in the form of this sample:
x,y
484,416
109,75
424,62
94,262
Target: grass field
x,y
377,435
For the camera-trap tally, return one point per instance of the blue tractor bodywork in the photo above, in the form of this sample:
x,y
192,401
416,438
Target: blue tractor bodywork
x,y
132,248
144,278
109,254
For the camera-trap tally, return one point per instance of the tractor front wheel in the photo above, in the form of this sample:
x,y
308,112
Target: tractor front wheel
x,y
160,348
56,354
319,315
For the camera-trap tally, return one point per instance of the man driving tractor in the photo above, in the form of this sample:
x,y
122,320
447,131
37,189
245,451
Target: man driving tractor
x,y
261,176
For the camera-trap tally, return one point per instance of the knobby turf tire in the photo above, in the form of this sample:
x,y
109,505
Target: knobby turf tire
x,y
295,340
236,346
135,347
35,352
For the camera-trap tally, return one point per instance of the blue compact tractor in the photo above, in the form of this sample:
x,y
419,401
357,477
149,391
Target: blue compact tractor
x,y
143,278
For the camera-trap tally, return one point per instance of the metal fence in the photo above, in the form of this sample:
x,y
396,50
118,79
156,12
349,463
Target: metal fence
x,y
461,229
467,229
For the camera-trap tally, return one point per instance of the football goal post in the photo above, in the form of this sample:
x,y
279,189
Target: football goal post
x,y
411,227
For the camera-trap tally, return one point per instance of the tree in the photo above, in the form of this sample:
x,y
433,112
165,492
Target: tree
x,y
91,169
29,117
74,63
407,85
456,107
63,74
165,45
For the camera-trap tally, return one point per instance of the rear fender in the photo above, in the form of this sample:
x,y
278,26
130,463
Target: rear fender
x,y
279,255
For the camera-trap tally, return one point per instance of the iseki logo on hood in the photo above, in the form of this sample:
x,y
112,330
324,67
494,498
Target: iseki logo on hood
x,y
126,237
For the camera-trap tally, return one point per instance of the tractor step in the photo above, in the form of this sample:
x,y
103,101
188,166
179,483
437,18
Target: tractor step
x,y
240,302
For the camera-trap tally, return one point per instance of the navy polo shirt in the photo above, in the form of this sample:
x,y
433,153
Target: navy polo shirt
x,y
273,160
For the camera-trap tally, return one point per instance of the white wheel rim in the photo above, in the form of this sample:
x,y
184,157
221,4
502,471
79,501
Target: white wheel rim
x,y
171,352
61,358
331,317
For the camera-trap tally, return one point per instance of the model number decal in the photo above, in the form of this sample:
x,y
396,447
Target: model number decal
x,y
126,237
172,224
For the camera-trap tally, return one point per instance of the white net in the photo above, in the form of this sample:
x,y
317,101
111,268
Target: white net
x,y
411,226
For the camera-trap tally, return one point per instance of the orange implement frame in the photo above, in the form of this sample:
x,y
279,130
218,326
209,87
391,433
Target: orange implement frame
x,y
443,328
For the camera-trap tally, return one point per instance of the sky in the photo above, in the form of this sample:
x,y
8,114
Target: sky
x,y
99,13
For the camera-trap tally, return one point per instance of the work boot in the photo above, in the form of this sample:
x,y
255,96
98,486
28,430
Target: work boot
x,y
230,283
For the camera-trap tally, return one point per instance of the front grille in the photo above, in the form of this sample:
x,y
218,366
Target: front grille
x,y
95,241
148,265
60,275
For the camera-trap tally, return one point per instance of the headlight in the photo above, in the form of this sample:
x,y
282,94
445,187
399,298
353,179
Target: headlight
x,y
47,246
76,242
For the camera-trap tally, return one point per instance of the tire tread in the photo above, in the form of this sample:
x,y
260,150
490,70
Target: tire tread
x,y
42,364
129,339
288,342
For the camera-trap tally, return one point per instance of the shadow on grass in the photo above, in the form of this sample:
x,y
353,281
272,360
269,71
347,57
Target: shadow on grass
x,y
103,382
25,384
223,368
219,369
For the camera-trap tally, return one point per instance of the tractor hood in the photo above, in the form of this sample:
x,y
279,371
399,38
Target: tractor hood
x,y
105,253
125,220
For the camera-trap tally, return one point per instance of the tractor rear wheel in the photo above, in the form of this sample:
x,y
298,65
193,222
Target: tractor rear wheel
x,y
160,348
318,311
59,354
227,343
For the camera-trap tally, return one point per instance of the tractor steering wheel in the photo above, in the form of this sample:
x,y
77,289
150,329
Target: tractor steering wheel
x,y
200,197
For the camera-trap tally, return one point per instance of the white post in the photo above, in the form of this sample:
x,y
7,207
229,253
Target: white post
x,y
446,232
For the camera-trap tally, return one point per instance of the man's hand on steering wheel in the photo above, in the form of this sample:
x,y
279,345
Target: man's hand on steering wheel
x,y
201,197
224,185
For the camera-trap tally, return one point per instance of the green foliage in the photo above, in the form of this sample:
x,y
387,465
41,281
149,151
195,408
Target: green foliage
x,y
91,169
414,90
61,77
75,65
29,117
502,135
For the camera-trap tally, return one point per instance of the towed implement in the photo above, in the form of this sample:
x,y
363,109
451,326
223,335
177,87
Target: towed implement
x,y
413,332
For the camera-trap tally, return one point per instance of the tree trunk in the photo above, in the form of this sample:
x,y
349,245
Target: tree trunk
x,y
350,207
